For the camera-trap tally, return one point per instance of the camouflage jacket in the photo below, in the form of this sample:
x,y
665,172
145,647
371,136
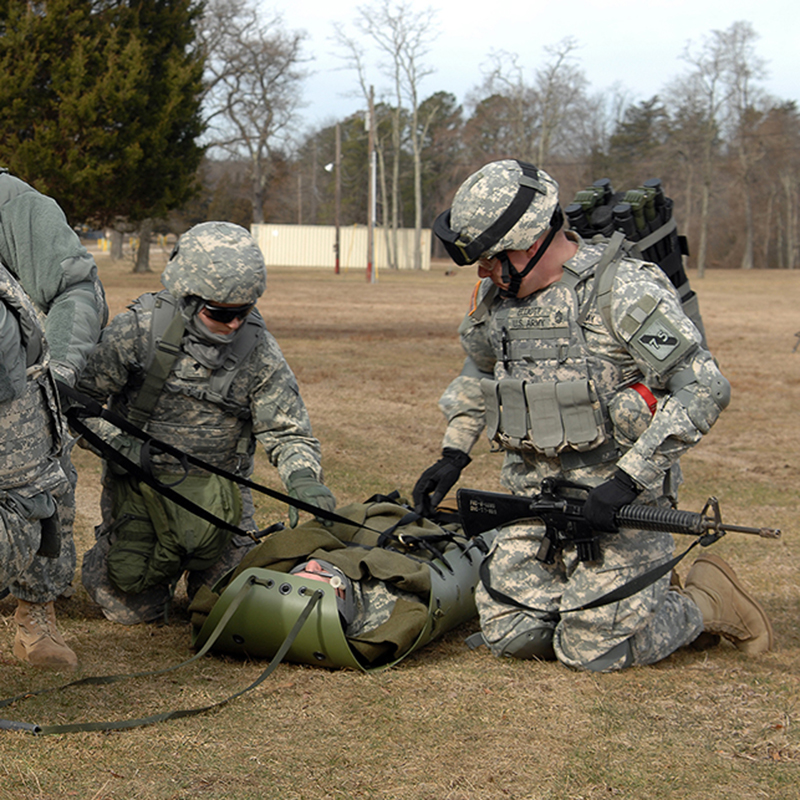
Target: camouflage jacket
x,y
32,430
44,254
602,360
263,401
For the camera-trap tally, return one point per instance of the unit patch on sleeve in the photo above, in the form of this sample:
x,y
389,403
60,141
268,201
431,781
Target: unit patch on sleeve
x,y
660,342
659,339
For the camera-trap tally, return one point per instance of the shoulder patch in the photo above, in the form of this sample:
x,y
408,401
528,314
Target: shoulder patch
x,y
659,338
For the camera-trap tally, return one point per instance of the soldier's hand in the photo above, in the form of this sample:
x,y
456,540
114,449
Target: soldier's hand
x,y
603,502
304,486
434,484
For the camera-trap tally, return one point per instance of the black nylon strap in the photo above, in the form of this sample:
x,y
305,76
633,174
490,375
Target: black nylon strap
x,y
85,407
514,277
614,596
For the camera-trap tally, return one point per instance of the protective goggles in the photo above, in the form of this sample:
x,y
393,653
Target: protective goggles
x,y
468,253
227,314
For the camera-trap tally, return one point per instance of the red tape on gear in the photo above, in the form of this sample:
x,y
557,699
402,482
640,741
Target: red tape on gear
x,y
647,396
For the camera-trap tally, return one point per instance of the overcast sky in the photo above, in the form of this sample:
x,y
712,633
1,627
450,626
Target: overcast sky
x,y
635,43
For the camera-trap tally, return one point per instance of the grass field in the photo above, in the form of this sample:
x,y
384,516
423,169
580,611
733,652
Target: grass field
x,y
447,723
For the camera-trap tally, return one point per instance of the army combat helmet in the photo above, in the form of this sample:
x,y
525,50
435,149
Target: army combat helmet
x,y
505,205
217,261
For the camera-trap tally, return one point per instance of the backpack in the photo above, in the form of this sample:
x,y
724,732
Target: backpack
x,y
644,217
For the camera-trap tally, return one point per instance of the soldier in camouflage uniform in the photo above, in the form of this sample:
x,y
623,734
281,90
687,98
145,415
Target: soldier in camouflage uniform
x,y
226,386
51,311
605,387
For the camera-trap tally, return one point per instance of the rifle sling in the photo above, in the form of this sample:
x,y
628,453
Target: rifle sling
x,y
614,596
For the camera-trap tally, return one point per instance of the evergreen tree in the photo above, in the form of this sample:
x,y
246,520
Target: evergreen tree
x,y
100,103
637,143
442,153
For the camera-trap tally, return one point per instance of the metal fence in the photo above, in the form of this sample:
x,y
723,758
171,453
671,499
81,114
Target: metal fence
x,y
314,246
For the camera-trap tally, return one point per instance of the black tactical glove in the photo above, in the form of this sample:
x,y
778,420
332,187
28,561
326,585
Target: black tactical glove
x,y
605,500
303,485
434,484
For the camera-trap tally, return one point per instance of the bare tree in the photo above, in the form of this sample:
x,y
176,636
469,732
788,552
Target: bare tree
x,y
505,89
721,91
743,68
254,76
779,177
560,96
402,38
703,91
539,117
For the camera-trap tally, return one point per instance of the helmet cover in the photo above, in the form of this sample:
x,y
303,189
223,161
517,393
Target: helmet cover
x,y
487,193
216,261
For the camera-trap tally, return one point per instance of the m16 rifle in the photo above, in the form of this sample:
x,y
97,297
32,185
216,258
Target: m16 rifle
x,y
559,507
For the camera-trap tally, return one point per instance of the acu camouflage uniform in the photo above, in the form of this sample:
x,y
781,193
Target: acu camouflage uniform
x,y
262,403
46,273
607,425
32,481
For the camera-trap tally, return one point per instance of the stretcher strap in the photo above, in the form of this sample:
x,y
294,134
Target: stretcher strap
x,y
43,730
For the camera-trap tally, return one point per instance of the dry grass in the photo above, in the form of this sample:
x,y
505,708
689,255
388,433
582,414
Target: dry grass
x,y
449,722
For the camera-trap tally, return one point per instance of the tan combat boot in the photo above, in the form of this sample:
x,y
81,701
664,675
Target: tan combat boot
x,y
38,641
726,607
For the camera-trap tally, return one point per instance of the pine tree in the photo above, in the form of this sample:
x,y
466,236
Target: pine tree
x,y
100,103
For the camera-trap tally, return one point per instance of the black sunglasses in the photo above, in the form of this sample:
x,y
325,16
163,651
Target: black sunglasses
x,y
229,314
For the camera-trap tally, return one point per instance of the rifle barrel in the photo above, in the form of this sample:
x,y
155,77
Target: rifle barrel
x,y
672,520
481,511
764,533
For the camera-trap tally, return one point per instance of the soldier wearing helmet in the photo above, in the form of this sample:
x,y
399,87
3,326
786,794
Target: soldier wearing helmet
x,y
582,366
195,366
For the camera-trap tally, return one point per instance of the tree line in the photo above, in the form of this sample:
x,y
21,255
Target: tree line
x,y
143,114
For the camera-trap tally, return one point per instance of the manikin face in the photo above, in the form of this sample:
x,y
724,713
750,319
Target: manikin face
x,y
217,326
315,571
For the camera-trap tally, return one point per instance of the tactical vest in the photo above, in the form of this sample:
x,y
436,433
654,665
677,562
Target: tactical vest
x,y
32,427
551,394
544,396
213,425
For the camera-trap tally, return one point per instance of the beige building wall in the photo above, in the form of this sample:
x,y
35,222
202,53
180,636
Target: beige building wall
x,y
313,246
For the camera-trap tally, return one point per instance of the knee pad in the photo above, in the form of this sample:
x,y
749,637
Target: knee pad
x,y
619,657
534,643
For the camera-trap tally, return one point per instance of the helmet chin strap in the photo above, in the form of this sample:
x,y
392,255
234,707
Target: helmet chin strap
x,y
510,274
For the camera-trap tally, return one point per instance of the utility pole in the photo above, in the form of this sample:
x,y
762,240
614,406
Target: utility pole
x,y
338,160
299,199
371,188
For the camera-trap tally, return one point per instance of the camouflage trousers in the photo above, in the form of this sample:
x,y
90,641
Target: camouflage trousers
x,y
644,628
31,577
147,606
